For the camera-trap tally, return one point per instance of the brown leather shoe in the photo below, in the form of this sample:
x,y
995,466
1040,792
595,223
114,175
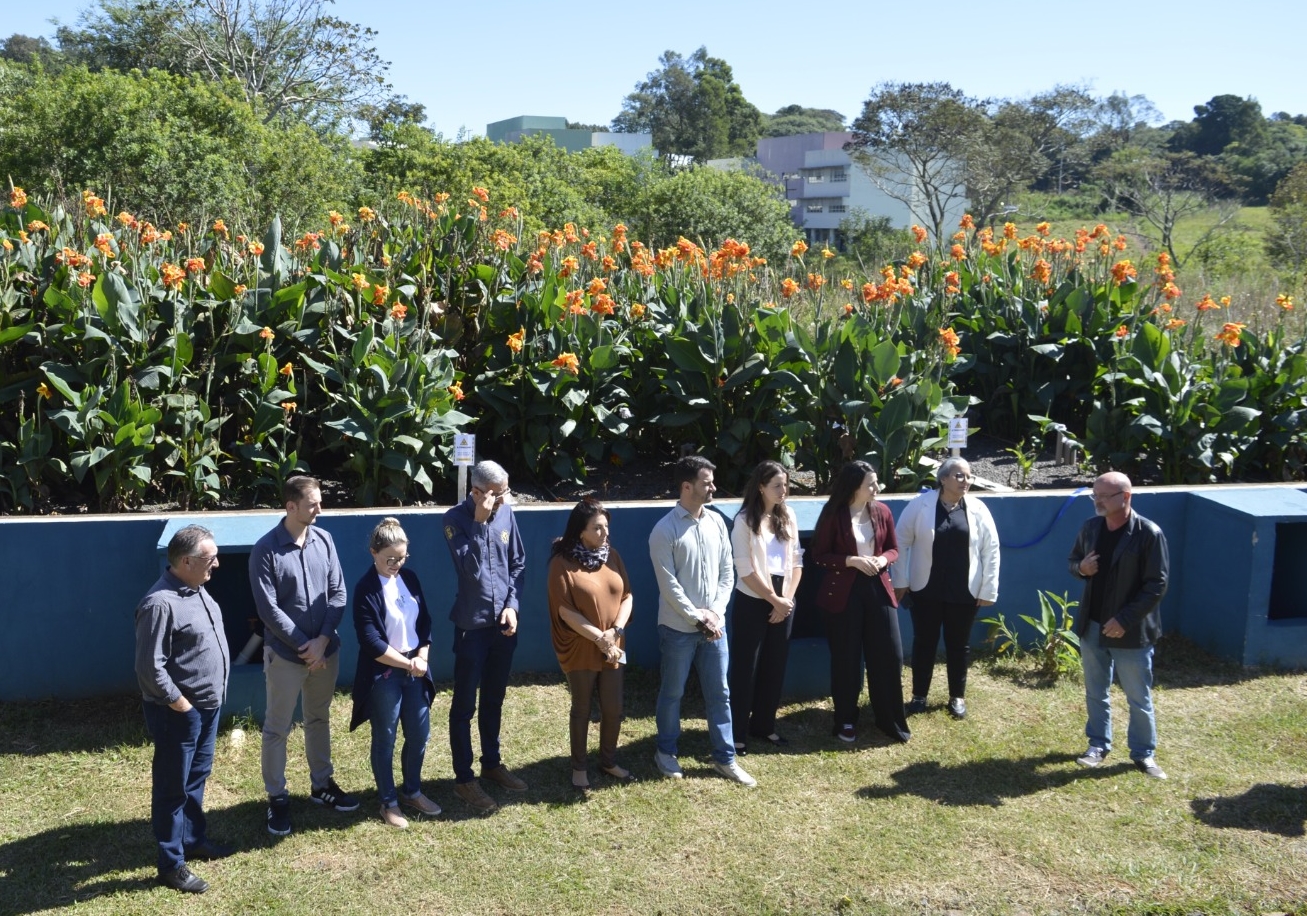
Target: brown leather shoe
x,y
475,796
501,776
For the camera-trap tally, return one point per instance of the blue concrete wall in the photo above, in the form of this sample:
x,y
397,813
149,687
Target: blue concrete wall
x,y
74,582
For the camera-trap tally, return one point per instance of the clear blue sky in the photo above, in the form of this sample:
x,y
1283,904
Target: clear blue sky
x,y
474,62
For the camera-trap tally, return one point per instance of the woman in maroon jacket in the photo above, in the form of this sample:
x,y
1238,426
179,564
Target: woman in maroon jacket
x,y
855,544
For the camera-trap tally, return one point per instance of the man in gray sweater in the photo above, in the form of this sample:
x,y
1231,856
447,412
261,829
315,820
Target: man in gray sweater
x,y
182,667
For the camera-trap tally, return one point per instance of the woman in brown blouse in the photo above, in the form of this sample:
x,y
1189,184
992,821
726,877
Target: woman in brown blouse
x,y
589,605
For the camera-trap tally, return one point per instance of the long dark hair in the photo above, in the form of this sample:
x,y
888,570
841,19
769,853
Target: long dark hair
x,y
847,482
754,506
577,521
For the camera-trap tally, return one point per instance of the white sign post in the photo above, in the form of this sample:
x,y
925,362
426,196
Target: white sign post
x,y
957,435
465,450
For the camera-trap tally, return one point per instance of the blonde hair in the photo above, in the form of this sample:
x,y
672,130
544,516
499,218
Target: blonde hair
x,y
387,534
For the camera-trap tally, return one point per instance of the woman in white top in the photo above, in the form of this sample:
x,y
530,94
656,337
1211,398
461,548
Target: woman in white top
x,y
392,684
768,564
948,558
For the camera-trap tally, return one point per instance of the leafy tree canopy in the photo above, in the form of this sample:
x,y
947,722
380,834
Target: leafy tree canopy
x,y
693,107
795,119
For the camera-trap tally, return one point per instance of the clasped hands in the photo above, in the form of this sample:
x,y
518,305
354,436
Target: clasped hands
x,y
607,643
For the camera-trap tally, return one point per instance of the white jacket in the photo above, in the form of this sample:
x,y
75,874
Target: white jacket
x,y
751,554
916,531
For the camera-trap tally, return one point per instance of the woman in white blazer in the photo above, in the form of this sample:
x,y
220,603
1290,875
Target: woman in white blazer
x,y
768,565
948,559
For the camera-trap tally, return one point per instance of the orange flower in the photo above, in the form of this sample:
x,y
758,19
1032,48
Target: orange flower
x,y
919,234
568,363
967,222
94,205
37,226
827,254
287,370
1042,272
958,253
1206,304
798,249
481,194
1175,324
576,302
502,240
335,218
171,275
266,333
637,311
848,309
85,279
367,214
815,282
1120,243
43,389
517,341
398,311
916,260
289,406
182,227
534,265
895,382
220,228
360,282
1009,230
1121,332
6,245
456,390
949,339
608,265
126,219
870,292
788,288
195,265
1284,302
256,248
239,290
379,294
952,283
1043,229
1171,291
596,286
602,305
1230,335
18,200
104,243
569,266
1123,272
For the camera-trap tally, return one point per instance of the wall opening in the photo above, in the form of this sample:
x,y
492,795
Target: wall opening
x,y
1288,597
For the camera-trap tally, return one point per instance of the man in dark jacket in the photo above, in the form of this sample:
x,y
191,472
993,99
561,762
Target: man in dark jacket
x,y
1123,559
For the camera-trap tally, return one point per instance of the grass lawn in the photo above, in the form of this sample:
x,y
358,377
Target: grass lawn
x,y
986,815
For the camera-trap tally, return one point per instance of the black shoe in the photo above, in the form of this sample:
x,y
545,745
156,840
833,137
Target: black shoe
x,y
957,708
209,851
776,740
279,815
741,750
915,705
333,796
183,879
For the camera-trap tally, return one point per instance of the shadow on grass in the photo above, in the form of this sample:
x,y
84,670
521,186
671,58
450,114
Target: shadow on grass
x,y
987,782
84,725
71,864
1267,807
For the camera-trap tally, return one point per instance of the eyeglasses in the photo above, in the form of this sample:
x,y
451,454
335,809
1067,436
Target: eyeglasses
x,y
395,561
1104,497
208,561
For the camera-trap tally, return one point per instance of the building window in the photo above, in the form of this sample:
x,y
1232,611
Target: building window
x,y
815,208
838,208
839,175
816,178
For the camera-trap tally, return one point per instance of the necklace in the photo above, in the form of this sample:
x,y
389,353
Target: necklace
x,y
948,507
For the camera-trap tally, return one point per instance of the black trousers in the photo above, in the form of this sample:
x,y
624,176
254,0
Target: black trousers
x,y
759,652
584,685
867,631
956,620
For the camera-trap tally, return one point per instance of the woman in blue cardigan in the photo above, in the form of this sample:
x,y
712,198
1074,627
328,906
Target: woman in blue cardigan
x,y
855,543
392,685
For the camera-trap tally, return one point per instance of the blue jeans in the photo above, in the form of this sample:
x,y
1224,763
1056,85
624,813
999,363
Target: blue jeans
x,y
183,759
398,697
1134,671
482,660
711,660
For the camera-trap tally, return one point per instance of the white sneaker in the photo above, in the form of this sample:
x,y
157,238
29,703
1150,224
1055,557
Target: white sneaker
x,y
668,765
733,772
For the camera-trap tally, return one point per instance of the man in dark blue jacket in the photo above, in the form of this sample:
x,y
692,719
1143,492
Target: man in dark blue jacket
x,y
1123,559
489,560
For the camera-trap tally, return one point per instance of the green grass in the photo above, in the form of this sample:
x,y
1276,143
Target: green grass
x,y
988,815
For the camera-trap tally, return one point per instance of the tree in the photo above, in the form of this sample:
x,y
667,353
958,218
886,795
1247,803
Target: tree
x,y
1224,120
709,206
24,49
694,108
177,147
1123,120
795,119
913,141
288,55
1023,141
1162,188
1286,240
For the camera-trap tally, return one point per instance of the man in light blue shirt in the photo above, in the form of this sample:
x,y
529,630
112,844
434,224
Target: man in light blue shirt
x,y
691,553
